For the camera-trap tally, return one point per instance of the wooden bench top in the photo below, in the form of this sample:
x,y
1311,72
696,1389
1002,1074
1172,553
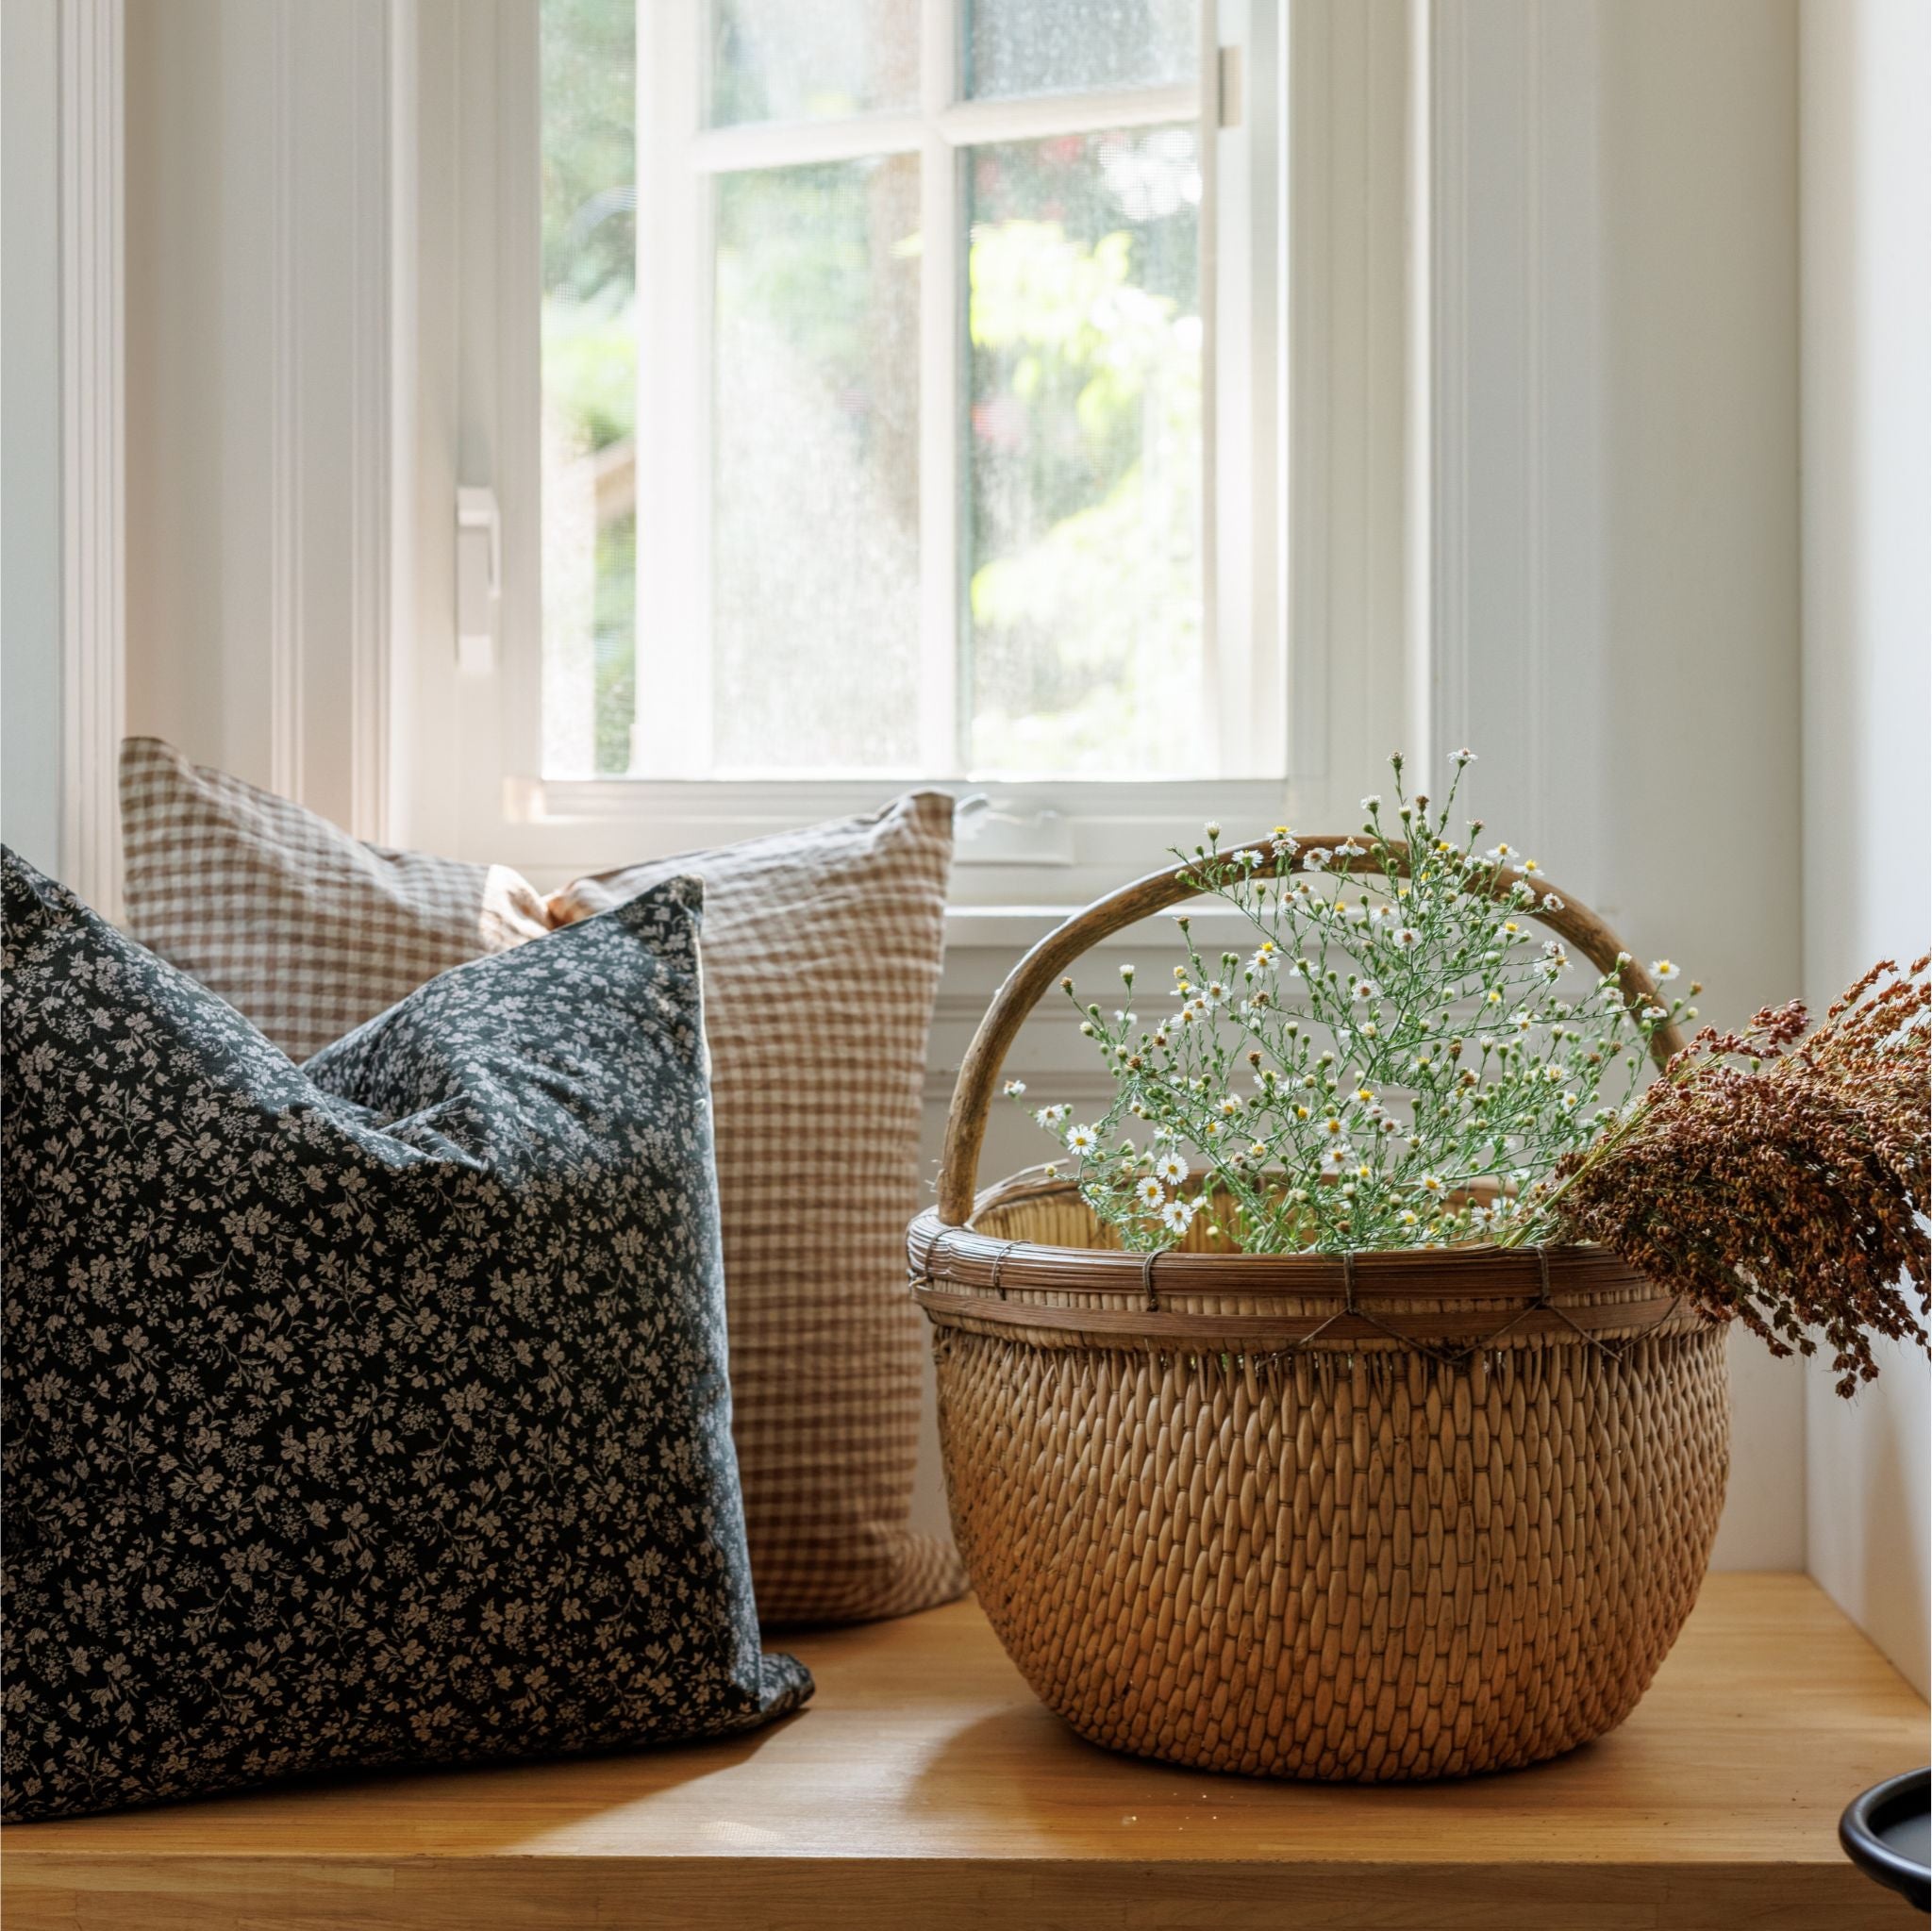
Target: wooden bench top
x,y
926,1787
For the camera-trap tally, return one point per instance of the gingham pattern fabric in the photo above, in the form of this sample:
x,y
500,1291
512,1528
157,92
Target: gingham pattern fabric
x,y
822,954
304,929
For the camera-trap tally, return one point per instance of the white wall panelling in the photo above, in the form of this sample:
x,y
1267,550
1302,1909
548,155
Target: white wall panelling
x,y
92,564
261,195
1867,246
62,568
31,453
1516,232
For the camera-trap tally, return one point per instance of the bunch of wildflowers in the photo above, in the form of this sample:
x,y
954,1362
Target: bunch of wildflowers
x,y
1392,1058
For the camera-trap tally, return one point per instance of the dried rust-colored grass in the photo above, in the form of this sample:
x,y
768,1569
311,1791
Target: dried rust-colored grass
x,y
1781,1178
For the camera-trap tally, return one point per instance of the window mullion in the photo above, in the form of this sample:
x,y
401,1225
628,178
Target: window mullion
x,y
940,734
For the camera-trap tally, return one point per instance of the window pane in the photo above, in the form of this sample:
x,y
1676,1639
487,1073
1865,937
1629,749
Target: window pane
x,y
1084,591
815,500
784,60
589,383
1025,46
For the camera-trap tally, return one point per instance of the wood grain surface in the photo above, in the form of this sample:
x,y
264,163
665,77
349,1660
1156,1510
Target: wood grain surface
x,y
926,1787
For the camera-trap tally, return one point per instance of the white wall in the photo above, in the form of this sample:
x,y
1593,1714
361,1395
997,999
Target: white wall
x,y
30,450
1867,250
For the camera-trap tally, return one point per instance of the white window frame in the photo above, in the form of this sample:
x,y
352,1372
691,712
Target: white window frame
x,y
1306,327
677,162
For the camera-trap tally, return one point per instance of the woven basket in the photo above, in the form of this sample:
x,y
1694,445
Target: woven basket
x,y
1403,1515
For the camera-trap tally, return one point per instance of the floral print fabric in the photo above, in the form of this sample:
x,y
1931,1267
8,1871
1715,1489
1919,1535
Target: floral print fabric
x,y
370,1412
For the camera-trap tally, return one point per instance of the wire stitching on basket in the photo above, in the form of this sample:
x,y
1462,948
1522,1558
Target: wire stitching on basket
x,y
930,1274
1610,1351
999,1260
1449,1356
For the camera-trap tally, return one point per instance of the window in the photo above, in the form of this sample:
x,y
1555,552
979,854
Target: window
x,y
875,393
1007,394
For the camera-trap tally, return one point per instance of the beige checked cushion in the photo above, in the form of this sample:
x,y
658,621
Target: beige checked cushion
x,y
821,961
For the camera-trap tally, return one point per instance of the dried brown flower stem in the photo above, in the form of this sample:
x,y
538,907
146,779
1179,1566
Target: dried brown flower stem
x,y
1780,1178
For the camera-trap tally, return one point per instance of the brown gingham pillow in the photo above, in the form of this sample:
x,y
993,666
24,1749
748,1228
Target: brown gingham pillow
x,y
822,958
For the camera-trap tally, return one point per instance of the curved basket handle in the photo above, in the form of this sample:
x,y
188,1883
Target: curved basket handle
x,y
1042,967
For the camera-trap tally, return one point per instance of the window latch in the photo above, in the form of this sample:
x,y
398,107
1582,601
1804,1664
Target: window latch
x,y
479,579
1228,87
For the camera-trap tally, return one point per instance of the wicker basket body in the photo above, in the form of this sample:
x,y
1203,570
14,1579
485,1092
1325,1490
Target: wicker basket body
x,y
1351,1557
1400,1516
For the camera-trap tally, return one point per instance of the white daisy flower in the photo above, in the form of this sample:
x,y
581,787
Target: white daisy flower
x,y
1335,1159
1171,1168
1317,860
1258,1149
1149,1192
1081,1139
1230,1106
1332,1127
1372,803
1349,849
1053,1116
1463,756
1406,1217
1364,989
1176,1215
1552,903
1432,1183
1014,1087
1569,1103
1212,829
1408,938
1663,971
1502,855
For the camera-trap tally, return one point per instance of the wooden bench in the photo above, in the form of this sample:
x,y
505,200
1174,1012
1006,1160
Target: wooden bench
x,y
926,1787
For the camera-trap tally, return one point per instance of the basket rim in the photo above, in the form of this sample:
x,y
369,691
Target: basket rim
x,y
1415,1296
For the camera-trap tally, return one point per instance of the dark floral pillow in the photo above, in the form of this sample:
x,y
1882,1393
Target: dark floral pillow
x,y
370,1412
